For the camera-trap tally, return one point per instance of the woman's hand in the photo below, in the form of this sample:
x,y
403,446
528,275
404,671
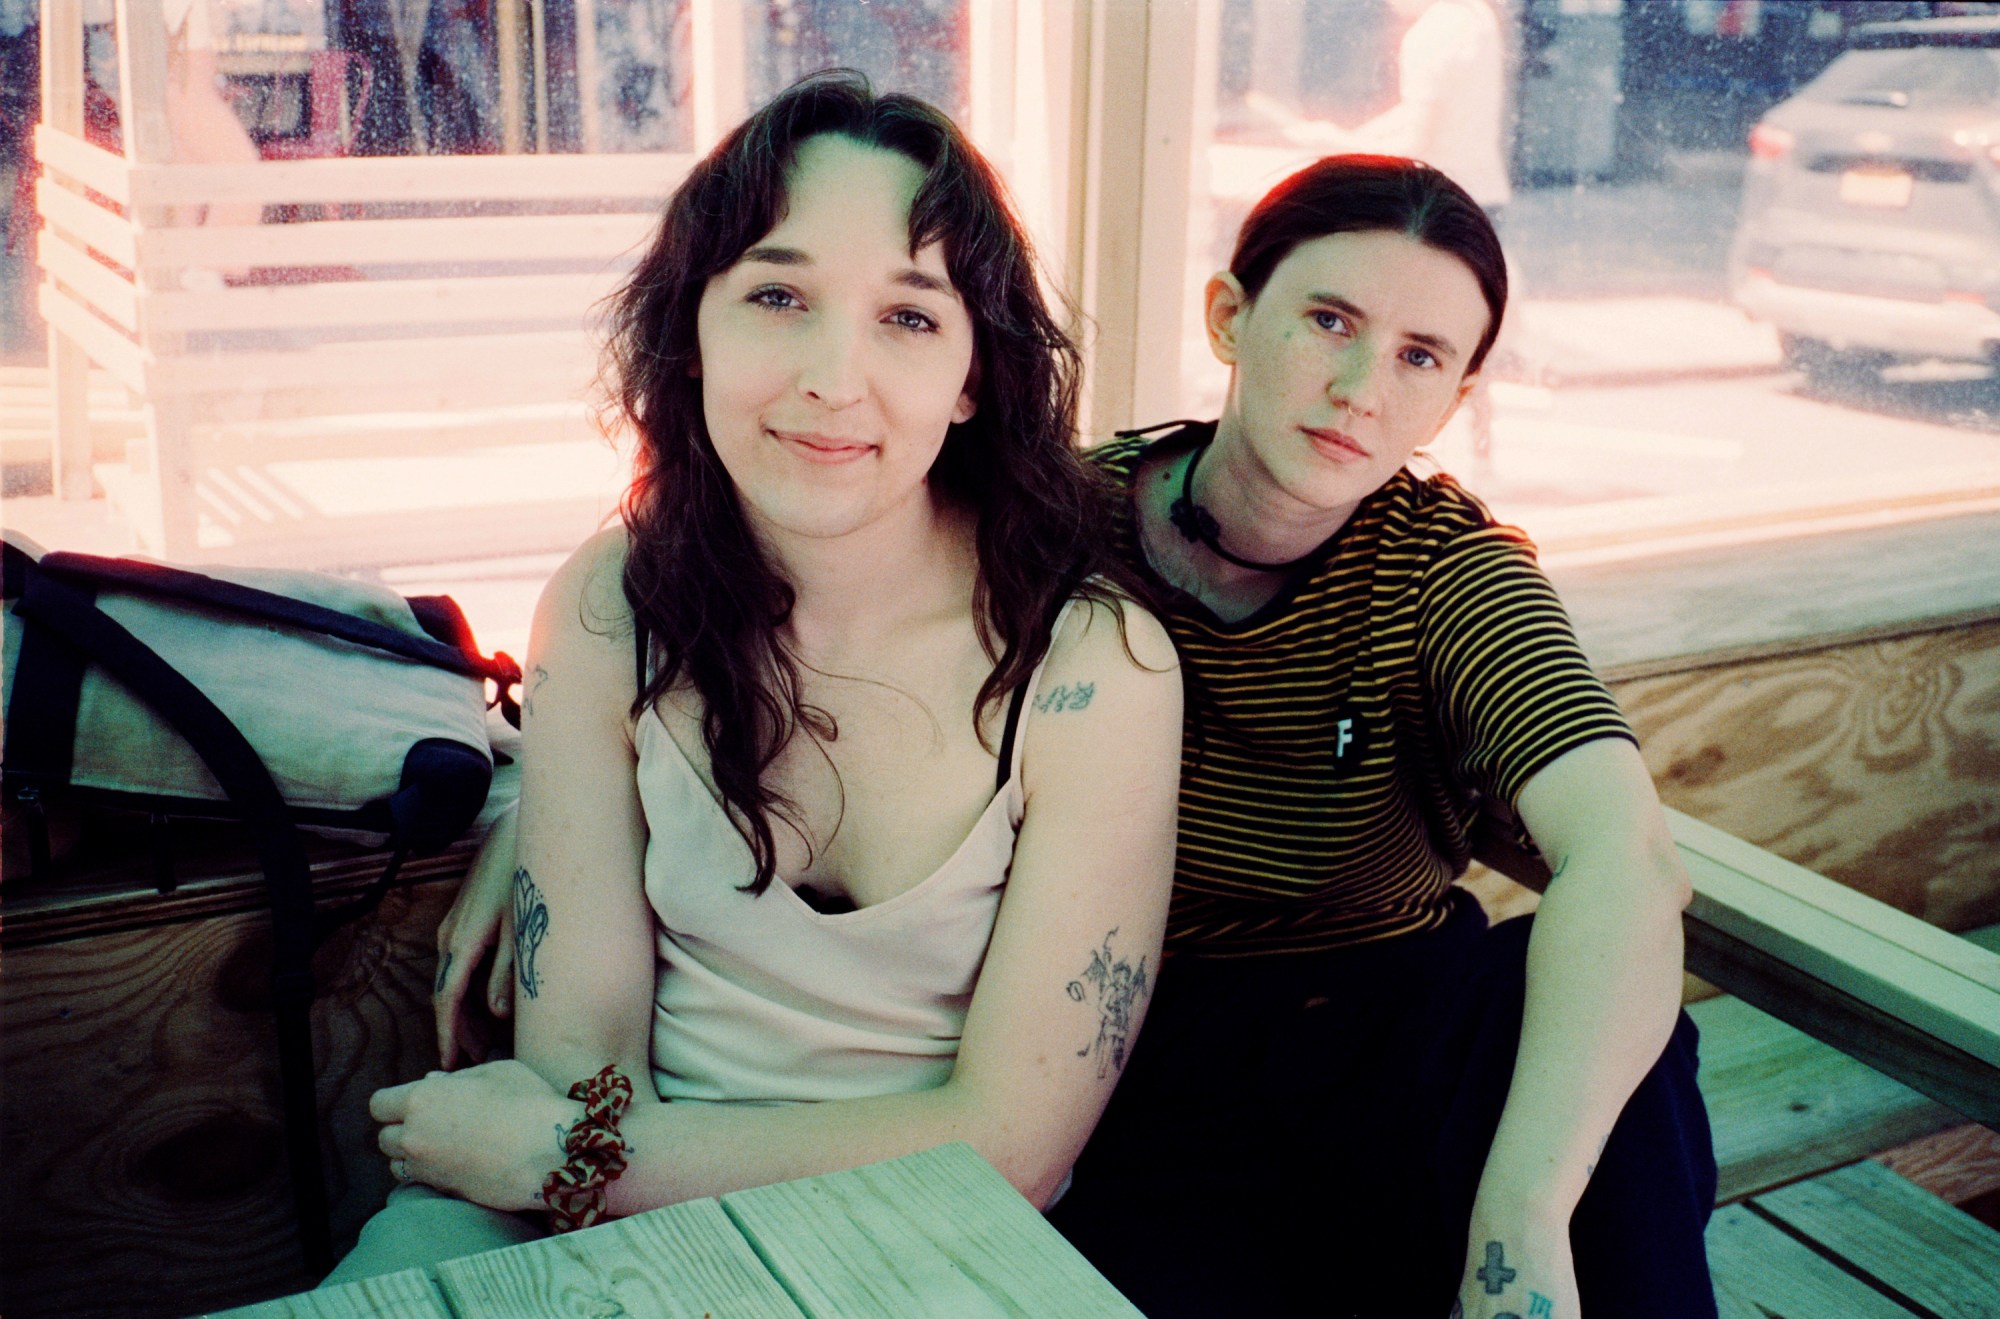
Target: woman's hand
x,y
1517,1270
491,1134
481,918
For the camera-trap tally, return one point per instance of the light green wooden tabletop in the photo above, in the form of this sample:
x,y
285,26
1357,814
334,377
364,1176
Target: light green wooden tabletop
x,y
936,1233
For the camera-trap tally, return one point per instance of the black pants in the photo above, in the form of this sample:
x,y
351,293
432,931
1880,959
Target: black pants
x,y
1305,1134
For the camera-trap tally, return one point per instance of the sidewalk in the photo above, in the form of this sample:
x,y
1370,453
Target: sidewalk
x,y
1621,341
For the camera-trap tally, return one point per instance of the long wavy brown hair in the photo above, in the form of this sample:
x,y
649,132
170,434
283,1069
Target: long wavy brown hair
x,y
707,598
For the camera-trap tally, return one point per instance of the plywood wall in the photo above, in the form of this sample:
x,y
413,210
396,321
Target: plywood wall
x,y
1875,762
142,1167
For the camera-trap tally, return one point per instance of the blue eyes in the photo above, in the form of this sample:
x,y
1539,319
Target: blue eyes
x,y
1334,323
773,297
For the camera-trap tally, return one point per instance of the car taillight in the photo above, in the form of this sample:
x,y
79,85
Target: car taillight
x,y
1768,141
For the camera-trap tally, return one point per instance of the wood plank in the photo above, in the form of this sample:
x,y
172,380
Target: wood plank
x,y
167,1187
104,230
1858,1028
1843,941
556,364
1783,1105
406,1295
936,1233
1956,1165
682,1262
95,168
608,238
107,348
107,292
557,178
399,302
1942,1259
1691,606
1868,762
1761,1272
1925,942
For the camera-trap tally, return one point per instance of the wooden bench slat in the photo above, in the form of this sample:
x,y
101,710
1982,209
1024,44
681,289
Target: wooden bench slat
x,y
405,303
1760,1272
86,162
843,1244
683,1262
562,177
1783,1105
405,1295
605,237
1940,1257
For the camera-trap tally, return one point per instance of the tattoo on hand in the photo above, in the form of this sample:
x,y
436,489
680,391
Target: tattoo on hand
x,y
1494,1273
531,923
1120,990
444,970
1066,697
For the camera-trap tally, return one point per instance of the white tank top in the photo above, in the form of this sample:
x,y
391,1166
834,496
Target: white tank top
x,y
760,998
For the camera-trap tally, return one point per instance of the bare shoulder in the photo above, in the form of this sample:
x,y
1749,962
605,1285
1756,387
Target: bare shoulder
x,y
1118,636
582,636
584,602
1110,659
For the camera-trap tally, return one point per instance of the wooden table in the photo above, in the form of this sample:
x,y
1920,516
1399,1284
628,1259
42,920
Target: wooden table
x,y
936,1233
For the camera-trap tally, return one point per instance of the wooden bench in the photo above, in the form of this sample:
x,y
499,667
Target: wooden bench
x,y
422,308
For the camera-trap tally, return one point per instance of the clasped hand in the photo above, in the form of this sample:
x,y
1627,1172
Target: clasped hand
x,y
490,1134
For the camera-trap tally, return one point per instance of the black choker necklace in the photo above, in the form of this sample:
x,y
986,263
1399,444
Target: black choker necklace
x,y
1196,523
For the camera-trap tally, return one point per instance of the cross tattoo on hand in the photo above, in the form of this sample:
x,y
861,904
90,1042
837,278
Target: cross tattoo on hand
x,y
1495,1273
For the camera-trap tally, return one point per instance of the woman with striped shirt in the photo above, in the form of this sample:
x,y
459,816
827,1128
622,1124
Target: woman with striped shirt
x,y
1351,1096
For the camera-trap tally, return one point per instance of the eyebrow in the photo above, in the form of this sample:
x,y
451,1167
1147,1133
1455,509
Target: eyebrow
x,y
908,277
1436,342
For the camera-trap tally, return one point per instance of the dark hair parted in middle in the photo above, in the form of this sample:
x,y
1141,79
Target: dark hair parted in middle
x,y
701,588
1357,193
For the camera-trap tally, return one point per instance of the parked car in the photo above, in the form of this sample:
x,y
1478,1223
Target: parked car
x,y
1870,226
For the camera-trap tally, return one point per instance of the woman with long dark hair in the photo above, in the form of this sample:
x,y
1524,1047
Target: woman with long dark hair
x,y
841,765
1352,1097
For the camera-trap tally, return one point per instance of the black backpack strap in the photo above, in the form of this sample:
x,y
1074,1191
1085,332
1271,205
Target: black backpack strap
x,y
41,709
71,618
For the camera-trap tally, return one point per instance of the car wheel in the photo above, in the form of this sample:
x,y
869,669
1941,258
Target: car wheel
x,y
1823,364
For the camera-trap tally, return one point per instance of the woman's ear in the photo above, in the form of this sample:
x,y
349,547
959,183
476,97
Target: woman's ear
x,y
1223,306
968,399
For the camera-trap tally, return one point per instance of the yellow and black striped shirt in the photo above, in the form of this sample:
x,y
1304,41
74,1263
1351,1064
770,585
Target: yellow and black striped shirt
x,y
1340,739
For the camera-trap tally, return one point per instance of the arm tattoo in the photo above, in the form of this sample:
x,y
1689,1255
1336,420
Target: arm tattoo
x,y
1066,697
444,970
1540,1306
541,676
1119,989
1494,1273
531,923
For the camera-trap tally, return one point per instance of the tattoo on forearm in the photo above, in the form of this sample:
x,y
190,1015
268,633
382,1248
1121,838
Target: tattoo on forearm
x,y
1119,990
1066,697
541,676
1540,1306
1494,1273
531,924
444,970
